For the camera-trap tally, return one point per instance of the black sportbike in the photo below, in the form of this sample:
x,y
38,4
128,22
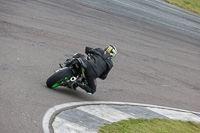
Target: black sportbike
x,y
69,76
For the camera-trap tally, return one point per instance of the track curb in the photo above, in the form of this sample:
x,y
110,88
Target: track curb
x,y
52,112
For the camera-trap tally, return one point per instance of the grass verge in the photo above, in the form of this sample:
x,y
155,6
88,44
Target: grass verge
x,y
153,125
191,5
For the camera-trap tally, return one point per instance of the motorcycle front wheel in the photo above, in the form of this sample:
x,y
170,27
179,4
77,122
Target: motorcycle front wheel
x,y
57,78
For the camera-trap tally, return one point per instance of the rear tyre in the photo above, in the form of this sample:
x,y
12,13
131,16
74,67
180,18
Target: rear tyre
x,y
56,79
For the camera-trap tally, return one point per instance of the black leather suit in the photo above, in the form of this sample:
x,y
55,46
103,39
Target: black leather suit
x,y
98,63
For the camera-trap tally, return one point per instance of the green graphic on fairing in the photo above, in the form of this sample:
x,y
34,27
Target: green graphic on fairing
x,y
60,81
83,74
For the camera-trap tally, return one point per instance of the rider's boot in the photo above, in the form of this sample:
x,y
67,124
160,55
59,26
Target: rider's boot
x,y
85,87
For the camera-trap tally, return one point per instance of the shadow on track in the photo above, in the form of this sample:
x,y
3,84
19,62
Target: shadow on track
x,y
74,93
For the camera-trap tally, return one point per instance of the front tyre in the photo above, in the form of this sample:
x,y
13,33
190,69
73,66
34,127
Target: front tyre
x,y
57,78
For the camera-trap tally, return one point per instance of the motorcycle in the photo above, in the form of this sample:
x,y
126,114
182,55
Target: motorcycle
x,y
69,76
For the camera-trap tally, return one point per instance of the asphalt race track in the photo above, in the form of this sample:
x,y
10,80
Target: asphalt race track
x,y
158,59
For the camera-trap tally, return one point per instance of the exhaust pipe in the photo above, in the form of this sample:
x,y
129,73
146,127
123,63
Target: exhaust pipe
x,y
72,79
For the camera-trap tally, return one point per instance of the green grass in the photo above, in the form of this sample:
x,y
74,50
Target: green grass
x,y
153,125
191,5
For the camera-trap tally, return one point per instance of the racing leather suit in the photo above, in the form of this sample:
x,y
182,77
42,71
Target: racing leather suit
x,y
98,63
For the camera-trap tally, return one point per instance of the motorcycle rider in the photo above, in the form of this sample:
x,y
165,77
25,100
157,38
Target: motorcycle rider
x,y
98,62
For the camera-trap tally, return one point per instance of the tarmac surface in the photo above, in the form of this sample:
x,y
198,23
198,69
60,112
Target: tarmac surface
x,y
158,60
88,117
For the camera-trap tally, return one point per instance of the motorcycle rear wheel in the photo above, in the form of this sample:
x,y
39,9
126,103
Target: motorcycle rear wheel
x,y
57,78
